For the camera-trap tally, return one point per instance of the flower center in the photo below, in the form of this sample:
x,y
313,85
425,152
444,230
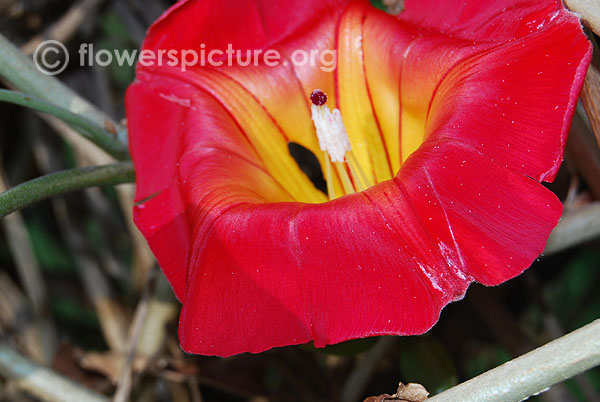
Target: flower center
x,y
334,142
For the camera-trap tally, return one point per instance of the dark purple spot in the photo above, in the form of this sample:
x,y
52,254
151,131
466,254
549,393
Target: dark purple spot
x,y
318,97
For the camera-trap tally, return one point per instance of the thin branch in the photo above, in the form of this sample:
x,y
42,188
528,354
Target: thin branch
x,y
98,135
359,378
31,278
41,382
86,153
112,318
20,73
590,94
141,313
575,228
162,310
533,372
17,319
111,315
582,153
51,185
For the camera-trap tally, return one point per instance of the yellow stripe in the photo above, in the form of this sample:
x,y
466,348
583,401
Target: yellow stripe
x,y
413,131
383,43
355,103
268,139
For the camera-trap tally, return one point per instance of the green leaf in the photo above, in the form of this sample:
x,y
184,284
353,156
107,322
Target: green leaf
x,y
112,26
569,294
486,359
378,4
48,250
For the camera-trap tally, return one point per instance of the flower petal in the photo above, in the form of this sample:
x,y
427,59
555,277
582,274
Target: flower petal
x,y
384,45
354,97
494,21
194,124
473,221
481,102
247,24
490,50
397,254
247,259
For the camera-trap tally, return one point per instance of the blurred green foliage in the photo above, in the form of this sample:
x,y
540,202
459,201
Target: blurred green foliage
x,y
425,360
573,296
49,250
116,36
378,4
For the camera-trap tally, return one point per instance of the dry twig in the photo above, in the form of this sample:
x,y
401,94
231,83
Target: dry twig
x,y
31,278
141,312
534,372
64,29
41,382
365,368
589,10
575,227
583,153
590,94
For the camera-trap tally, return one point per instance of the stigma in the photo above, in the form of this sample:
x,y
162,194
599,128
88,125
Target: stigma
x,y
335,144
331,131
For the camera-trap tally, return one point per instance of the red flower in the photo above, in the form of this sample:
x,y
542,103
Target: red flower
x,y
455,111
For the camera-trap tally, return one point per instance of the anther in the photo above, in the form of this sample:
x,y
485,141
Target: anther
x,y
331,131
334,141
318,97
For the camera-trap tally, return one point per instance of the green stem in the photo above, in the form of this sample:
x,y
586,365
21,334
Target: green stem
x,y
20,72
533,372
54,184
86,127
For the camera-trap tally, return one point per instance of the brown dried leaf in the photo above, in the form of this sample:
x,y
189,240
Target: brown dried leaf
x,y
411,392
405,393
394,7
110,364
380,398
110,127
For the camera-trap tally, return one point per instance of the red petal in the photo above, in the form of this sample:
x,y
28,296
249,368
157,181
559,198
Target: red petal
x,y
161,219
482,101
245,24
396,255
194,124
481,21
255,269
490,228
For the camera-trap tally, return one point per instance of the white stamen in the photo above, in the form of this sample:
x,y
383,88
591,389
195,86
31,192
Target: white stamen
x,y
331,132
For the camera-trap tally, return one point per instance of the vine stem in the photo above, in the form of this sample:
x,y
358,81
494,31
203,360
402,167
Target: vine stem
x,y
54,184
533,372
20,72
41,382
86,127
